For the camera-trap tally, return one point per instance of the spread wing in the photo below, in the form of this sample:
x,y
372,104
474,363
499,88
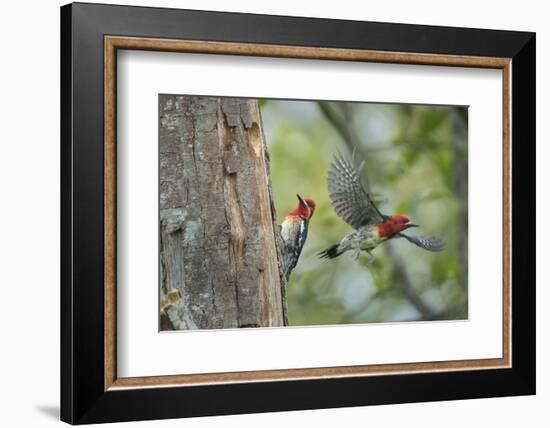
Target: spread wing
x,y
349,199
430,243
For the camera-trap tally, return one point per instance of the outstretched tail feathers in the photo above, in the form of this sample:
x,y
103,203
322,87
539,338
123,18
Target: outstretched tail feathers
x,y
331,252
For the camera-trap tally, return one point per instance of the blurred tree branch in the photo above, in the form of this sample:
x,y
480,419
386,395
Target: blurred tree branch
x,y
339,123
402,281
460,150
349,317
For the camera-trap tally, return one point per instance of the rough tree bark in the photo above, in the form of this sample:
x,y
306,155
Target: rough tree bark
x,y
219,256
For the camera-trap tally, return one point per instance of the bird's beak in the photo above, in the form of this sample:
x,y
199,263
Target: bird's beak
x,y
413,225
302,200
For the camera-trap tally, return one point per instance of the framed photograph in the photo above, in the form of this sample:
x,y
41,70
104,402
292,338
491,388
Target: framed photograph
x,y
266,213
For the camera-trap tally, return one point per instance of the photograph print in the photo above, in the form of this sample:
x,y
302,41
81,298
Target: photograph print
x,y
282,213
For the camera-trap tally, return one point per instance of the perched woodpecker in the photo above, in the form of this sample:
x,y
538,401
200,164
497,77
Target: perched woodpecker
x,y
294,233
354,205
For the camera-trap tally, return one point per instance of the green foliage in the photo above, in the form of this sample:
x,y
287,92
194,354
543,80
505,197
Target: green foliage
x,y
411,155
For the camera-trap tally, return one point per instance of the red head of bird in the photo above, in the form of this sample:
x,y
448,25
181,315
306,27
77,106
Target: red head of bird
x,y
394,224
304,209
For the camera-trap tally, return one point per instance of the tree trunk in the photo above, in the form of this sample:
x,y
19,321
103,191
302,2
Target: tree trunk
x,y
219,254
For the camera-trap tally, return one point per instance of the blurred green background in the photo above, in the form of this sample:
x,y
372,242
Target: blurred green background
x,y
416,163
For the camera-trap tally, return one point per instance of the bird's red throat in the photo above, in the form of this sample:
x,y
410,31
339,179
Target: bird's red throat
x,y
303,211
300,211
389,228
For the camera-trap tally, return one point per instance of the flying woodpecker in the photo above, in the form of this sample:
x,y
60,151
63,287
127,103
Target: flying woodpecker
x,y
354,205
294,233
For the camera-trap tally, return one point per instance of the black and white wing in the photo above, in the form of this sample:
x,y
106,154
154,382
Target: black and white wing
x,y
294,237
430,243
349,199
